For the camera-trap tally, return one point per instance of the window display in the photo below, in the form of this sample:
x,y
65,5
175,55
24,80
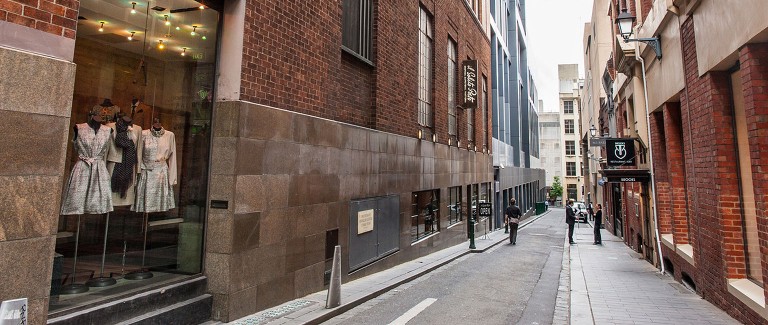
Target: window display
x,y
133,205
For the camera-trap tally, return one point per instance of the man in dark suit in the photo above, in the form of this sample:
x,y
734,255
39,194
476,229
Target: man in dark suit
x,y
570,219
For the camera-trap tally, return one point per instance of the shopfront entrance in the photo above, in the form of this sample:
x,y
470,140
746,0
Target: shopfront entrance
x,y
136,173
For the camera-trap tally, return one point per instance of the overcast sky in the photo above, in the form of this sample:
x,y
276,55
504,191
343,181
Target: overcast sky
x,y
555,33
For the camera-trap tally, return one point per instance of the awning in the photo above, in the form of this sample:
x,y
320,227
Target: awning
x,y
626,175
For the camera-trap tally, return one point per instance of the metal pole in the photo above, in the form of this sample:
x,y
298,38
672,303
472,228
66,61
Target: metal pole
x,y
333,299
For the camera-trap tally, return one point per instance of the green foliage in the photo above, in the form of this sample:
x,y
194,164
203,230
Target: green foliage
x,y
557,189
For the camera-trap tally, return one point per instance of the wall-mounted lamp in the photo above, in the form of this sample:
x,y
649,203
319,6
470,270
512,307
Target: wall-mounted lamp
x,y
160,44
194,30
130,38
183,51
434,137
593,131
420,134
133,8
625,21
101,28
167,23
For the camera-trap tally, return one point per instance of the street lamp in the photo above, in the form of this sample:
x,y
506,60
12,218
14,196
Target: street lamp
x,y
625,21
593,131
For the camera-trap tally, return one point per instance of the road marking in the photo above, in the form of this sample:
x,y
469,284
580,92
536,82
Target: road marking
x,y
410,314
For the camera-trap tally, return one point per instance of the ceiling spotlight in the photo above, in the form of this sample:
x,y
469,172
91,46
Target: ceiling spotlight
x,y
194,28
160,45
133,8
202,6
204,38
183,51
101,28
167,23
130,38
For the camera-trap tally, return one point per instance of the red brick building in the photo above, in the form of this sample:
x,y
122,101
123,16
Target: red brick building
x,y
279,127
706,107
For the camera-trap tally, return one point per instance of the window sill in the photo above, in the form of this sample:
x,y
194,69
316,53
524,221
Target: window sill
x,y
455,224
686,252
668,240
749,293
357,56
425,238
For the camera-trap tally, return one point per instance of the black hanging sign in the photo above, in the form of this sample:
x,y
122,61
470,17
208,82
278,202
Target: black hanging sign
x,y
621,152
469,69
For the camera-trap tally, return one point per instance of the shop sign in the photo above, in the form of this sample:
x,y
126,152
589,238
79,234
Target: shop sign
x,y
485,209
628,179
469,68
597,142
621,152
364,221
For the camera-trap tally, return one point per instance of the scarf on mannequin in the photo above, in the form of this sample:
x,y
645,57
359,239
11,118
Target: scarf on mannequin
x,y
122,175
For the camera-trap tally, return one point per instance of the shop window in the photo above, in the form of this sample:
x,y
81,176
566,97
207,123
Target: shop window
x,y
425,215
133,202
454,205
572,192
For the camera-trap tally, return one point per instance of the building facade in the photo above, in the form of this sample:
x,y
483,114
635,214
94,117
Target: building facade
x,y
571,88
550,131
232,144
694,112
515,112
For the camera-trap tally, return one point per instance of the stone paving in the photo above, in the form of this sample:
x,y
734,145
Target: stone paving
x,y
611,284
606,284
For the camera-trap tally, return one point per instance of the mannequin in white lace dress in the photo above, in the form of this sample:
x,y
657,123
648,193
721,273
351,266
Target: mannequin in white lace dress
x,y
154,191
88,189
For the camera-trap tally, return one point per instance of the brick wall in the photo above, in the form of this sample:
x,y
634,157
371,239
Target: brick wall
x,y
58,17
293,60
661,175
676,169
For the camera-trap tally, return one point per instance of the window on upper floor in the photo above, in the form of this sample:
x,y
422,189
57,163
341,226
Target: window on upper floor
x,y
477,8
484,112
425,68
357,27
568,107
452,71
570,148
570,168
569,127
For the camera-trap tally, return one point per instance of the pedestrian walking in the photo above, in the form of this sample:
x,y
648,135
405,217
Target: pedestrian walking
x,y
598,224
591,212
512,217
570,219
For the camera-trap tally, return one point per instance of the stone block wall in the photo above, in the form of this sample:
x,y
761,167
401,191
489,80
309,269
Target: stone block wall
x,y
289,177
35,103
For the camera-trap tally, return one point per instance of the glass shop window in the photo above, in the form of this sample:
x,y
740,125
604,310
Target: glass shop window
x,y
425,214
454,205
134,190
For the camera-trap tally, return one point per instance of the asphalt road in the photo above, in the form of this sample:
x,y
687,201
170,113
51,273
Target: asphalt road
x,y
505,285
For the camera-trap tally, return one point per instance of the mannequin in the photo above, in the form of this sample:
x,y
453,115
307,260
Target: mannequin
x,y
106,110
123,157
87,190
154,191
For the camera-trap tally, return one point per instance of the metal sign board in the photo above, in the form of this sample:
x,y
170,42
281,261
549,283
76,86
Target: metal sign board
x,y
621,152
629,179
597,142
485,209
364,221
469,69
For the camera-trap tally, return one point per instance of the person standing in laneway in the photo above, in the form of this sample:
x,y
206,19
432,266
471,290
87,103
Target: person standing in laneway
x,y
570,219
598,224
512,216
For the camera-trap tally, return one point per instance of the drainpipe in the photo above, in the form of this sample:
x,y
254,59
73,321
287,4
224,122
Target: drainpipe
x,y
650,151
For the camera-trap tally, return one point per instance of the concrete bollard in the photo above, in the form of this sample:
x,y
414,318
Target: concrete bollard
x,y
334,289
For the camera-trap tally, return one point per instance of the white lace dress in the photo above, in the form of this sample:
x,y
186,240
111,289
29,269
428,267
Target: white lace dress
x,y
154,190
88,190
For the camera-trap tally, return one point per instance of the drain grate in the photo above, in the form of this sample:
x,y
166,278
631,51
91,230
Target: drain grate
x,y
273,313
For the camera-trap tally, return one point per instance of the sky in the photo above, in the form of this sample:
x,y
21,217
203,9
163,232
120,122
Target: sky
x,y
555,33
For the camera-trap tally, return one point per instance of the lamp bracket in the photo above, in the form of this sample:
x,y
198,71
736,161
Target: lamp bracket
x,y
653,42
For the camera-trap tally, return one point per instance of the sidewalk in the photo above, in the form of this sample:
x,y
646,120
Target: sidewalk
x,y
612,284
311,309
